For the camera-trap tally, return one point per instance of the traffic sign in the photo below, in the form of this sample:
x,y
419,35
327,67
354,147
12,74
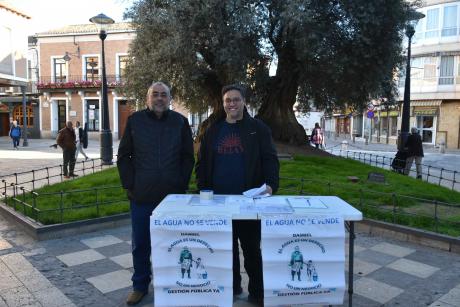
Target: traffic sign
x,y
370,114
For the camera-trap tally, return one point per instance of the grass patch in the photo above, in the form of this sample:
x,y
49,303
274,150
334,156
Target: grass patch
x,y
403,200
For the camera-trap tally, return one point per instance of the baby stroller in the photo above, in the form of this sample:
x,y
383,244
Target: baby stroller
x,y
399,162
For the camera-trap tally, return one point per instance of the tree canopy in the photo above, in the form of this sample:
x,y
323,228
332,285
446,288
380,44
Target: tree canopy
x,y
333,53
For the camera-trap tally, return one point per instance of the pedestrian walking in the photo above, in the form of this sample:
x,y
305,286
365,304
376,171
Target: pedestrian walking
x,y
80,135
414,150
15,134
317,136
155,158
66,139
236,154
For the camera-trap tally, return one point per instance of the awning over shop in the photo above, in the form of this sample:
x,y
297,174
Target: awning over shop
x,y
425,103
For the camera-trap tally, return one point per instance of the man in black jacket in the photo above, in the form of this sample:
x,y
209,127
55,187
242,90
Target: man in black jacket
x,y
414,152
236,154
155,158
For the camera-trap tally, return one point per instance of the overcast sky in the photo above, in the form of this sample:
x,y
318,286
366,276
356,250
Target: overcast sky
x,y
51,14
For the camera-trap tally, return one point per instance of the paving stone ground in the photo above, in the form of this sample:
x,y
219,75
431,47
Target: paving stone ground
x,y
94,269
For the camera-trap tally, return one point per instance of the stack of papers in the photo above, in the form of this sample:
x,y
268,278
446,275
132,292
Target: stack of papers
x,y
306,202
268,205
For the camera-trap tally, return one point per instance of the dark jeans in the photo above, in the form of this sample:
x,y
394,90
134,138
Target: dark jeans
x,y
141,249
15,141
248,232
69,160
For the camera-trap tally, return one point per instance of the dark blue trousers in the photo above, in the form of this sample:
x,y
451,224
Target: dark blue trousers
x,y
141,249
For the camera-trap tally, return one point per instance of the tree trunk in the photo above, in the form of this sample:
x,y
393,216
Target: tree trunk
x,y
277,109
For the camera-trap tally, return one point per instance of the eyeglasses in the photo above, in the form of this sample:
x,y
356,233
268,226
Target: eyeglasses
x,y
234,100
162,94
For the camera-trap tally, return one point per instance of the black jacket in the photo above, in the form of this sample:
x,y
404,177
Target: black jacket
x,y
414,145
155,156
262,165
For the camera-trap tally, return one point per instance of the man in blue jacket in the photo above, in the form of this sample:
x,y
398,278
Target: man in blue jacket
x,y
155,158
236,154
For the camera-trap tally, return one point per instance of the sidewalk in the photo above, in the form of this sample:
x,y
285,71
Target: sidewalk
x,y
95,270
39,154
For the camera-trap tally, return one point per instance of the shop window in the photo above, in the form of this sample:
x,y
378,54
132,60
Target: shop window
x,y
18,115
394,125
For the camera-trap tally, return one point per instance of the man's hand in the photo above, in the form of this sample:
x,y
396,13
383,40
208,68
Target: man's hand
x,y
269,190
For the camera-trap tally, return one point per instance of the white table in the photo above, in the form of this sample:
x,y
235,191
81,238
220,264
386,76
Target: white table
x,y
178,205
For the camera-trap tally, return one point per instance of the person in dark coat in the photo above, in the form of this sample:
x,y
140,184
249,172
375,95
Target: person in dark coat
x,y
414,149
66,139
236,154
155,158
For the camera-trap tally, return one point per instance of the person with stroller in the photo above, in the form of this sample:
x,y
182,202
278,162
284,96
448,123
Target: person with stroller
x,y
414,150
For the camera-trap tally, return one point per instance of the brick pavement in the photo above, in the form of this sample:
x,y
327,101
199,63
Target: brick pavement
x,y
94,269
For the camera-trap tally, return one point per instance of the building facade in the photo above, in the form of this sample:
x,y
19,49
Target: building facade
x,y
70,77
17,92
435,75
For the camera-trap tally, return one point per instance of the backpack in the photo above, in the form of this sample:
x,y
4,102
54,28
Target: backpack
x,y
15,132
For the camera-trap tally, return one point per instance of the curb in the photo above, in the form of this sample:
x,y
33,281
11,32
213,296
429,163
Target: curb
x,y
40,232
408,234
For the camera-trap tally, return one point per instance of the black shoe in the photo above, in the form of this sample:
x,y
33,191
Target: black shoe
x,y
259,301
237,291
73,175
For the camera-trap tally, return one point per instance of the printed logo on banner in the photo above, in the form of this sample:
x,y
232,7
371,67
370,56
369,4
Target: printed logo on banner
x,y
303,259
304,274
192,261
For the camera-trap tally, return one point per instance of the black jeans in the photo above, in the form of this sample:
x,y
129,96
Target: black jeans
x,y
248,233
69,160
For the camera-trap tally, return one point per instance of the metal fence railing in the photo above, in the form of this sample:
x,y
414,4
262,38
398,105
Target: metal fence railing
x,y
65,206
432,174
36,178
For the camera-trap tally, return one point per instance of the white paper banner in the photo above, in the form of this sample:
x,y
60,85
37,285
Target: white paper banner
x,y
192,260
303,259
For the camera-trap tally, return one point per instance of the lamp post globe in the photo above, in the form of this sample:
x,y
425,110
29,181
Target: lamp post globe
x,y
405,118
106,141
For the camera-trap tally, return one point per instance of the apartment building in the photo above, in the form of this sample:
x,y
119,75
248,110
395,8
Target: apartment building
x,y
435,75
70,77
15,88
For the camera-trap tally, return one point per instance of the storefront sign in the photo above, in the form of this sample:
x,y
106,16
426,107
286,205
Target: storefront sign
x,y
192,260
392,113
425,111
303,260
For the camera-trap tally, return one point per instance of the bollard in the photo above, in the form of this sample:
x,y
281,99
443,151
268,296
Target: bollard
x,y
344,145
442,147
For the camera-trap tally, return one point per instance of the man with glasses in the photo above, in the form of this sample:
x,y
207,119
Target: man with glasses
x,y
236,154
155,158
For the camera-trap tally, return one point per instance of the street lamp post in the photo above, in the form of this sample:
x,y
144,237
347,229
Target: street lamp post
x,y
106,141
405,118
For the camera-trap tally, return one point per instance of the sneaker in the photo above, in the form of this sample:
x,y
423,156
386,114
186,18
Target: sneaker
x,y
419,177
66,177
135,297
73,175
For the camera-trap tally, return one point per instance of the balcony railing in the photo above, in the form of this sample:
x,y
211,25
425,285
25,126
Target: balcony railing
x,y
78,82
